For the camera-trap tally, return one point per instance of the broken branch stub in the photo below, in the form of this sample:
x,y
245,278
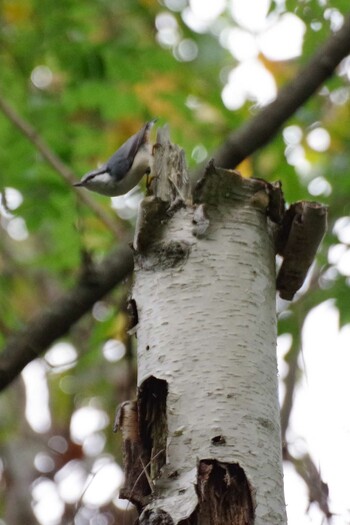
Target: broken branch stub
x,y
170,160
170,189
303,227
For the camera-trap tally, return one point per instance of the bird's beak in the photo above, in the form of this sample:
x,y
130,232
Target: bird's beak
x,y
77,184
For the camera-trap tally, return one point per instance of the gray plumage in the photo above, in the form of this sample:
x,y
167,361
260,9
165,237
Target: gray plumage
x,y
125,168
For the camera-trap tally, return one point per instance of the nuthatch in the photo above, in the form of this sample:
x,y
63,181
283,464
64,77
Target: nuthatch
x,y
125,168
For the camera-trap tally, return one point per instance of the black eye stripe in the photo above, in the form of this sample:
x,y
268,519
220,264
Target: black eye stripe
x,y
90,177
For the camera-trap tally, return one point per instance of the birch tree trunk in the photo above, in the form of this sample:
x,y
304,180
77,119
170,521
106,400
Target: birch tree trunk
x,y
202,442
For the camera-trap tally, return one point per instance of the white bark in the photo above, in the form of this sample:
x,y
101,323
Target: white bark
x,y
207,326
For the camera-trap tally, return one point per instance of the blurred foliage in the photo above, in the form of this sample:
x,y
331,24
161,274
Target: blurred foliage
x,y
86,75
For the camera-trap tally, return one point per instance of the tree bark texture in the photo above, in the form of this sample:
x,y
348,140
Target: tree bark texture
x,y
208,416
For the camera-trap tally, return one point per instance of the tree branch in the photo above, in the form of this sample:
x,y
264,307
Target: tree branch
x,y
56,320
32,135
260,129
53,323
317,488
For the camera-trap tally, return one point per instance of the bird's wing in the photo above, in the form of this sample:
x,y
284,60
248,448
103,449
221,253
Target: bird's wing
x,y
120,163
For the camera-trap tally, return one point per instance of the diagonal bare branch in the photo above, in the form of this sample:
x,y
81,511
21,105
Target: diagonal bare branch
x,y
51,158
55,321
264,126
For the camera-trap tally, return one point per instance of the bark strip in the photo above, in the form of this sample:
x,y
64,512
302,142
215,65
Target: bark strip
x,y
137,485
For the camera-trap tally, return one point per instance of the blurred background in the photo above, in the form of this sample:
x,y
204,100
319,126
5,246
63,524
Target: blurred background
x,y
79,79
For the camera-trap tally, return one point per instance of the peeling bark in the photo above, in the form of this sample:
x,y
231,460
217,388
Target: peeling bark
x,y
137,486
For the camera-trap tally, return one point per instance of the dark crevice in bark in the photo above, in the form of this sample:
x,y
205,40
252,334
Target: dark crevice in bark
x,y
152,397
224,494
143,424
155,517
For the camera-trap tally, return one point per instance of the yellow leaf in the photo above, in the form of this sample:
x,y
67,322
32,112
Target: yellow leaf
x,y
245,168
16,12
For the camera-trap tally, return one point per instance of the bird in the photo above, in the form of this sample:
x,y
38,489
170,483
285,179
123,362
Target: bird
x,y
126,167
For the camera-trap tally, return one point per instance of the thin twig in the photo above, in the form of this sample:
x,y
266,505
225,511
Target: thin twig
x,y
317,488
32,135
